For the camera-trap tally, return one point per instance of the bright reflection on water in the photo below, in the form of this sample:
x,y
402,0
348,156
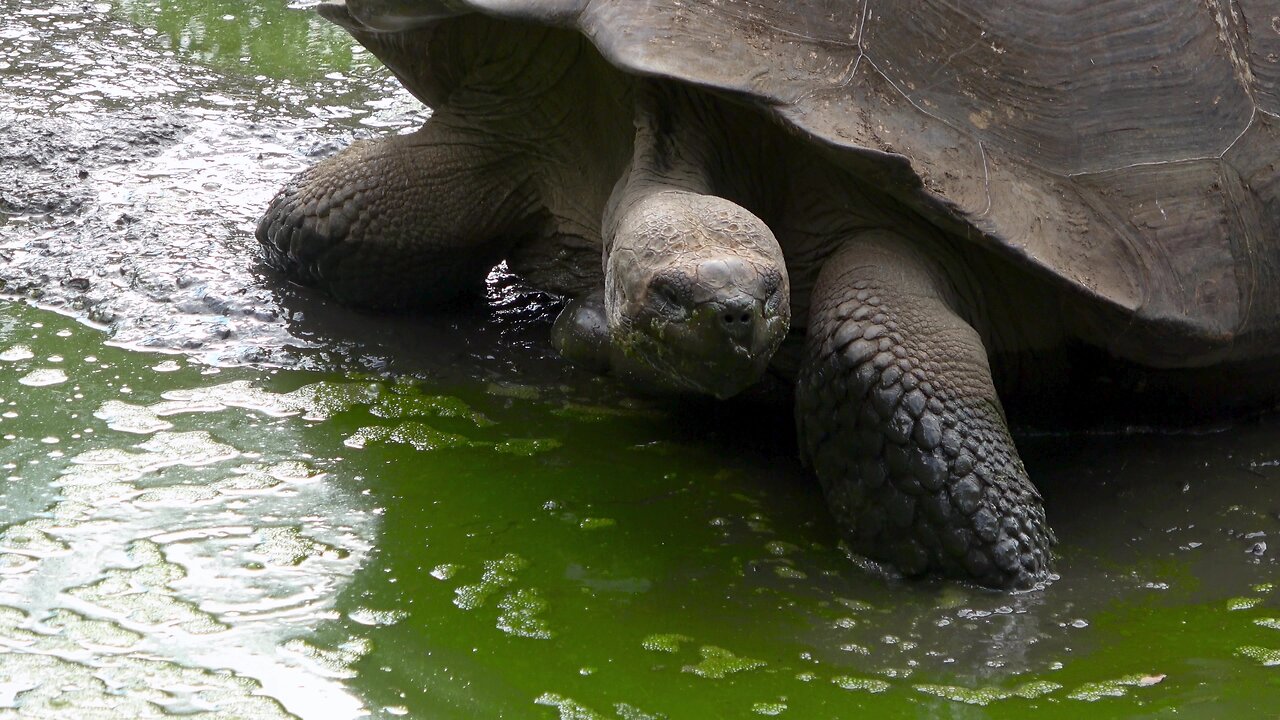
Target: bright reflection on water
x,y
433,517
165,551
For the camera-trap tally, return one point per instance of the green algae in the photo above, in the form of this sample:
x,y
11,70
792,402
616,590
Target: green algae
x,y
665,642
526,447
717,662
1118,687
861,684
497,574
1263,655
520,614
596,523
412,404
552,614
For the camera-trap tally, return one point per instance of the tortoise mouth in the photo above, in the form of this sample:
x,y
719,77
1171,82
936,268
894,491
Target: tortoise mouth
x,y
696,353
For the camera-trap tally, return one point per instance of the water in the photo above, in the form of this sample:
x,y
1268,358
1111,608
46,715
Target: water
x,y
224,497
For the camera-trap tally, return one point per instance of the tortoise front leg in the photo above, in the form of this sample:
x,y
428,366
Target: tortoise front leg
x,y
404,221
898,416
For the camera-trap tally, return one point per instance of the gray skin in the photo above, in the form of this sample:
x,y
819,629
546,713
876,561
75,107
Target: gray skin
x,y
705,238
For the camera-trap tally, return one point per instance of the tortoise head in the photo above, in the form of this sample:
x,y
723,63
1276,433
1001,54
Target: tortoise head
x,y
696,293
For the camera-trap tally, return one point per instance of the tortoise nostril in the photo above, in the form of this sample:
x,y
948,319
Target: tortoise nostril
x,y
738,319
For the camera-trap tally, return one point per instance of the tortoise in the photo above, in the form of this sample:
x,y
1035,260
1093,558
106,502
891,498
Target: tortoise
x,y
912,209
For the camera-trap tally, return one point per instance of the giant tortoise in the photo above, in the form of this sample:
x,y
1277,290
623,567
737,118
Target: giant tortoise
x,y
905,206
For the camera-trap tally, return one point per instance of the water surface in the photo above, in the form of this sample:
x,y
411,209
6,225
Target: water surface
x,y
221,496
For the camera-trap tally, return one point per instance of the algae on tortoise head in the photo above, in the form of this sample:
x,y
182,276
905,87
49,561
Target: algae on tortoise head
x,y
913,209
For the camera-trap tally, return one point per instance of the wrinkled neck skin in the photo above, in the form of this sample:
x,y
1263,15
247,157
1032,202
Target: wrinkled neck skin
x,y
669,181
709,179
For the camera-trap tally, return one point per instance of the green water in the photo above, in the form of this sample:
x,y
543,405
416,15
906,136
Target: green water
x,y
240,542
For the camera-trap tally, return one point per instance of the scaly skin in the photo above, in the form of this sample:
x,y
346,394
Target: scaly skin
x,y
895,404
395,210
511,166
898,417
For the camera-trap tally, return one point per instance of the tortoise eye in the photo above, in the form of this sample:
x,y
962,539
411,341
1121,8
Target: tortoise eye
x,y
669,294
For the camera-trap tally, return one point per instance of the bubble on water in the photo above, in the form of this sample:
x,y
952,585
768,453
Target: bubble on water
x,y
520,614
526,446
1273,623
238,393
376,618
245,481
335,662
1036,688
399,404
294,471
664,642
419,436
43,377
166,366
1268,657
192,449
444,571
1243,603
32,538
595,523
780,548
143,594
497,574
718,662
1119,687
969,696
129,418
769,708
16,353
787,572
569,708
287,546
178,495
91,633
862,684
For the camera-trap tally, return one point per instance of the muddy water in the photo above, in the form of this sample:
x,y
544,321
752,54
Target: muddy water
x,y
223,497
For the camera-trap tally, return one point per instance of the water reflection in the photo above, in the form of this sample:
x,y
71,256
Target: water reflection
x,y
267,38
164,563
132,178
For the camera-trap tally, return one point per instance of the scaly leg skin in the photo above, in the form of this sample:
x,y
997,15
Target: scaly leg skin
x,y
898,416
405,221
